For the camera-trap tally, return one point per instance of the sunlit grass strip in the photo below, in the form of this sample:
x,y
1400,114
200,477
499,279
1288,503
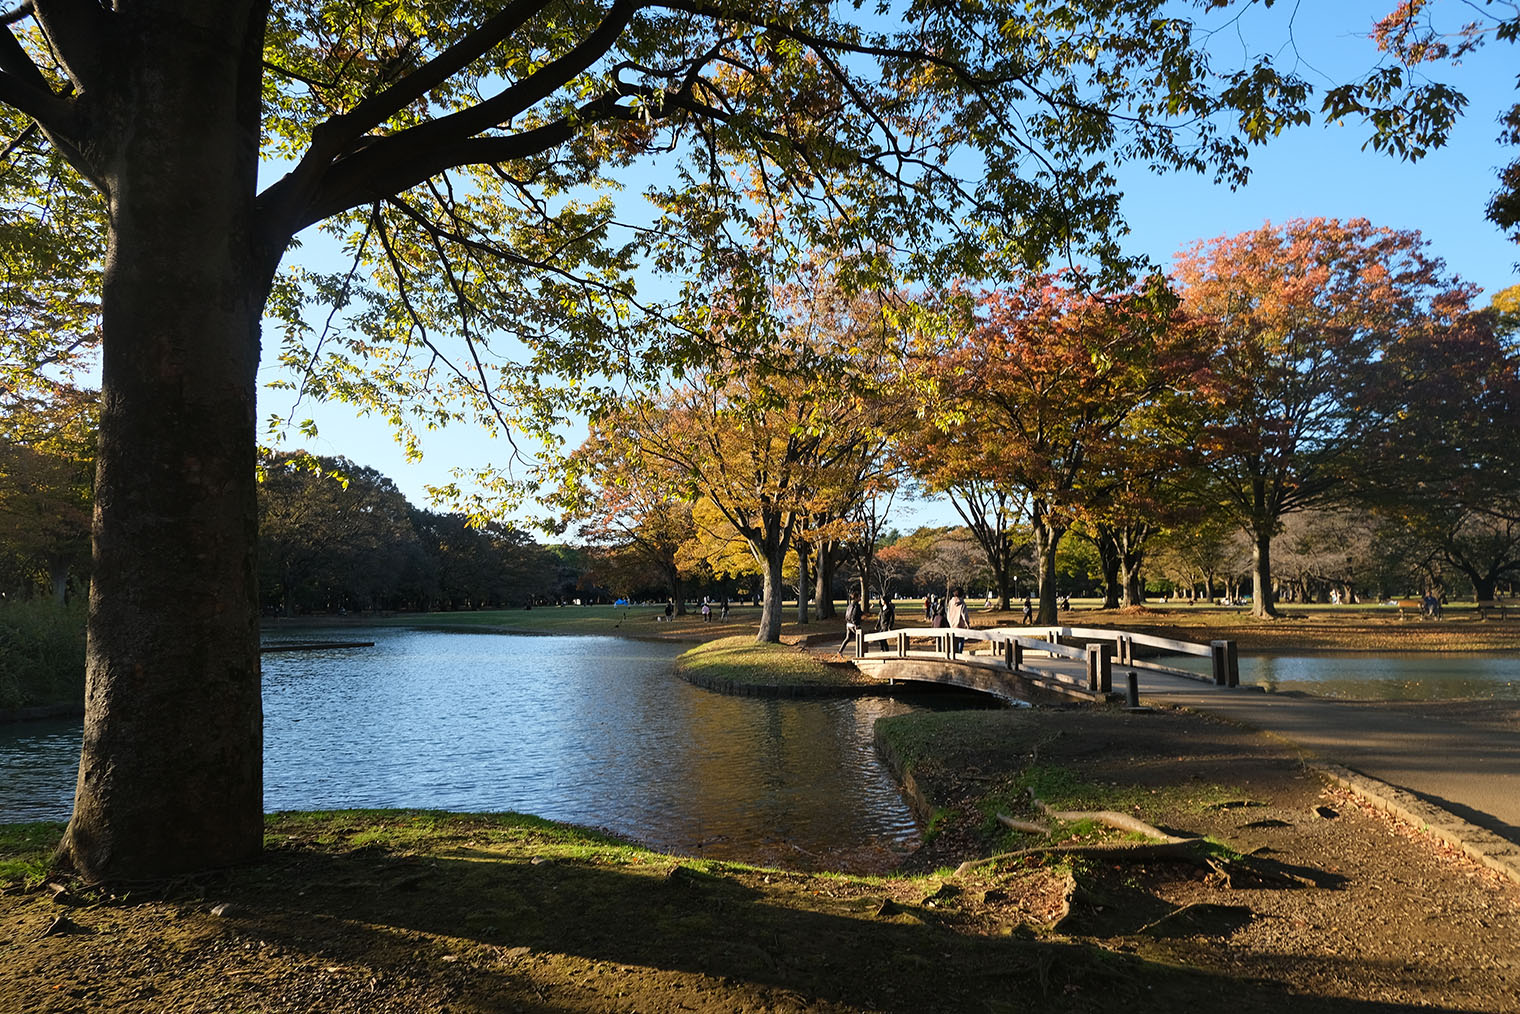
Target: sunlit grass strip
x,y
26,851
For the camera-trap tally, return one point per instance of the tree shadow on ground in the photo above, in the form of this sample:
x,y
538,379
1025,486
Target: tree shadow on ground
x,y
505,932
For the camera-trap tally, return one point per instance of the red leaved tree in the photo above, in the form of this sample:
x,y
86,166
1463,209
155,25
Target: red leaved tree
x,y
1300,314
1033,399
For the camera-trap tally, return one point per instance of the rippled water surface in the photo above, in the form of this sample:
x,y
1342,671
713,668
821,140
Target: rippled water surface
x,y
589,730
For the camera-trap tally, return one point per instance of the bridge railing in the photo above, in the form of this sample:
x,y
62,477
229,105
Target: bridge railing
x,y
1223,655
1102,648
1001,647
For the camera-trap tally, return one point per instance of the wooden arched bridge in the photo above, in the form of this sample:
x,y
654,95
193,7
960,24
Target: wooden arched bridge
x,y
1033,664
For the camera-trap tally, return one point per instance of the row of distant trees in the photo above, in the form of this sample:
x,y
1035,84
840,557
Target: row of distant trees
x,y
334,535
1321,555
1314,371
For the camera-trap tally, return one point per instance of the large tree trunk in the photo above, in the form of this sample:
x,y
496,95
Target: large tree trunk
x,y
1134,586
770,607
1132,540
170,778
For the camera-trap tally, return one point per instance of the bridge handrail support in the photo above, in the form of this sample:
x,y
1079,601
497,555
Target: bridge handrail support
x,y
1151,640
1226,661
1046,642
1100,668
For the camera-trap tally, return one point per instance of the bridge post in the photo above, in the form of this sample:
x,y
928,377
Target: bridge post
x,y
1017,657
860,643
1232,664
1100,667
1009,647
902,645
1219,654
1126,646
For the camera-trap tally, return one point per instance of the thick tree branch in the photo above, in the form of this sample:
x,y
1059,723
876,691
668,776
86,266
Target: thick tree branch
x,y
320,183
338,132
80,32
23,87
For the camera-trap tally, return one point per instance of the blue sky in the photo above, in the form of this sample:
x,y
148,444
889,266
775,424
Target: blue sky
x,y
1313,171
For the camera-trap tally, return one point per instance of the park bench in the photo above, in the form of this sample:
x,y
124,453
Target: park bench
x,y
1484,605
1414,606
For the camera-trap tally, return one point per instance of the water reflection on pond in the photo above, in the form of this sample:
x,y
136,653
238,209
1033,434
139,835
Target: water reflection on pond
x,y
588,730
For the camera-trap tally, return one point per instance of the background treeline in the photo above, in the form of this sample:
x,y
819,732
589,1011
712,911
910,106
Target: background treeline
x,y
335,536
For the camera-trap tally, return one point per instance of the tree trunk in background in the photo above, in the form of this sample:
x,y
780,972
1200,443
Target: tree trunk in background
x,y
1134,587
804,581
171,773
1261,574
1108,560
770,606
1046,538
58,578
824,568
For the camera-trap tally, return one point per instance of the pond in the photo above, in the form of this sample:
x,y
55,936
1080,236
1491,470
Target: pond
x,y
590,730
1413,676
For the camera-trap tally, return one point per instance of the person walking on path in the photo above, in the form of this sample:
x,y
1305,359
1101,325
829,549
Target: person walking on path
x,y
955,612
1028,611
851,621
956,616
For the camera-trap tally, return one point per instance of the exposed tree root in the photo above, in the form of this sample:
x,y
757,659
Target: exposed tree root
x,y
1233,869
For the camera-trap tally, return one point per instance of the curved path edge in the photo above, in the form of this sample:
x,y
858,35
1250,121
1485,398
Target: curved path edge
x,y
1479,844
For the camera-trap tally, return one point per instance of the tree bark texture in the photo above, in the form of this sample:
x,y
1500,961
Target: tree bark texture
x,y
1108,560
170,776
